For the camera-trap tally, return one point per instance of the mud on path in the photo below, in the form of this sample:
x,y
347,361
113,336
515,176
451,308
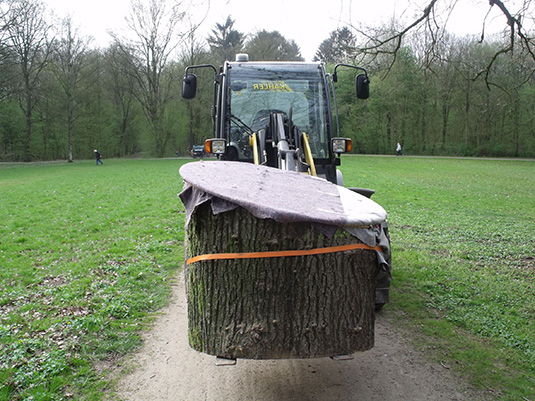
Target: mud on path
x,y
166,368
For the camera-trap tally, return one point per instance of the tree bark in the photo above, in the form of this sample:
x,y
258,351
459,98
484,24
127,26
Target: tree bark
x,y
284,307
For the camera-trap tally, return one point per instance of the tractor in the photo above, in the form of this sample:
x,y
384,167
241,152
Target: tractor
x,y
280,114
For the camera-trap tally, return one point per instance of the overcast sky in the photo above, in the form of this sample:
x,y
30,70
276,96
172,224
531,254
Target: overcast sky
x,y
308,22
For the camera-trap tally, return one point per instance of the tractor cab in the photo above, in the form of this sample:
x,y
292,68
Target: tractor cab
x,y
277,114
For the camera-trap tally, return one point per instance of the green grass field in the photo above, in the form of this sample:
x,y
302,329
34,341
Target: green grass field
x,y
87,255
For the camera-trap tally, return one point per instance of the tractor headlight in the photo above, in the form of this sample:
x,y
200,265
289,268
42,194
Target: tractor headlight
x,y
215,146
342,145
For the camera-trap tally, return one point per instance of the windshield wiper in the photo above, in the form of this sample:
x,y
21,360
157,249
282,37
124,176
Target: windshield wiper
x,y
241,124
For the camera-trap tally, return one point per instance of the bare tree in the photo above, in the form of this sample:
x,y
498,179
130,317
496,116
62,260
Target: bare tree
x,y
153,25
28,42
194,53
433,18
122,90
4,50
70,57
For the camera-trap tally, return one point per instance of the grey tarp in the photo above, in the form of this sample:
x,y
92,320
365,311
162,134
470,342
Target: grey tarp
x,y
285,196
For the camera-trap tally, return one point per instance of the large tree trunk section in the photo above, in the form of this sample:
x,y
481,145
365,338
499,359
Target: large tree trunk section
x,y
284,307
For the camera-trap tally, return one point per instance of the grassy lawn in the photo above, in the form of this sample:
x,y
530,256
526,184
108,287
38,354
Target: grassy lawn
x,y
463,246
87,255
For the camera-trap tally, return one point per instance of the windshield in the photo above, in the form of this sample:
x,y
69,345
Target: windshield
x,y
256,90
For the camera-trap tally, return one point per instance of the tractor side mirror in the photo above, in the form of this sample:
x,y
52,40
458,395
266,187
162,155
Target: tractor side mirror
x,y
363,86
189,86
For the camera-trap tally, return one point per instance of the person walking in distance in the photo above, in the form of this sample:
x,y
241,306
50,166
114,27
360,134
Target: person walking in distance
x,y
98,157
398,150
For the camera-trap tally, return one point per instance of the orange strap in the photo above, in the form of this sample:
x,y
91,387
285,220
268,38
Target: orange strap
x,y
281,254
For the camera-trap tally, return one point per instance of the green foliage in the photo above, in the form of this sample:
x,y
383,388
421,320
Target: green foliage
x,y
226,42
449,110
272,46
87,255
431,106
338,47
12,125
463,265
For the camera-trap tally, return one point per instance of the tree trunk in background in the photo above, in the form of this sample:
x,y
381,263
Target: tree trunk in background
x,y
422,147
27,143
286,307
516,125
444,131
467,111
70,126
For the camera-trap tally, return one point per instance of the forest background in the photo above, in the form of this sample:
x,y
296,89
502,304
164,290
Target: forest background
x,y
61,97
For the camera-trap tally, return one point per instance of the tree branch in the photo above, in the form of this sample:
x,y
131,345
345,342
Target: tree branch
x,y
380,42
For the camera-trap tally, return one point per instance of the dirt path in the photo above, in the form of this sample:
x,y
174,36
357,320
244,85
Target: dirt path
x,y
168,369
